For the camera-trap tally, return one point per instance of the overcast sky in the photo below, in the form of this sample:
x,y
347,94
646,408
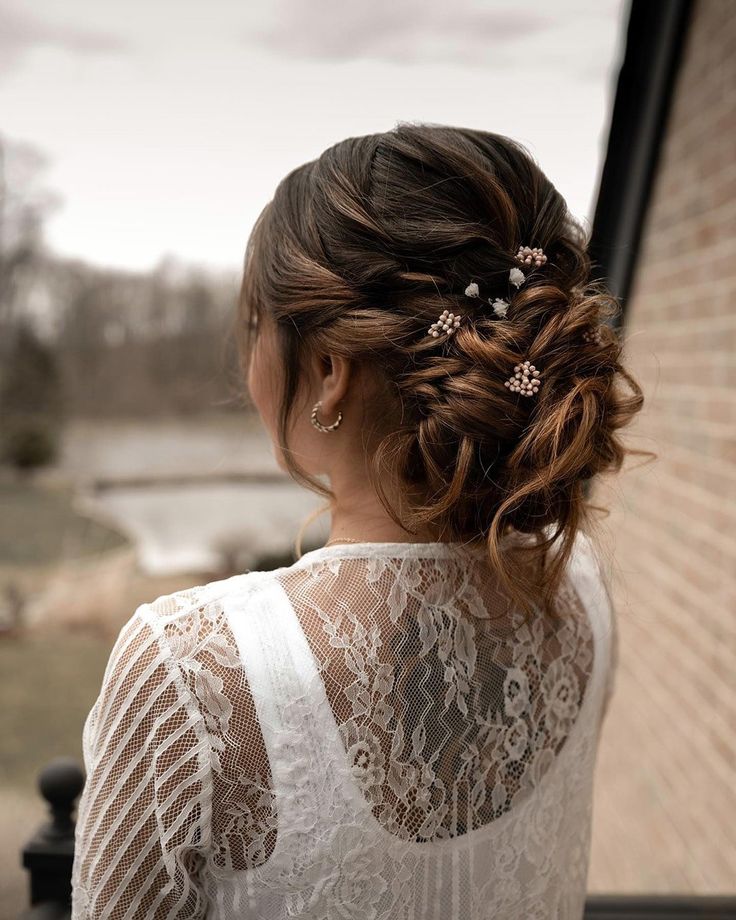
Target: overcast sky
x,y
168,123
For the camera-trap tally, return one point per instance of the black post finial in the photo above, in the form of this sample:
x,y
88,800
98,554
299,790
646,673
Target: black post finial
x,y
49,854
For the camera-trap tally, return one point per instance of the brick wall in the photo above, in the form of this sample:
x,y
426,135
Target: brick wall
x,y
665,805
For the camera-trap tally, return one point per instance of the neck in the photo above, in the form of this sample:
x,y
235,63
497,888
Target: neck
x,y
359,515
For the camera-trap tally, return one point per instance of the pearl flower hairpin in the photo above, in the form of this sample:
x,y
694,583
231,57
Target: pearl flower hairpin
x,y
526,255
593,335
447,322
526,379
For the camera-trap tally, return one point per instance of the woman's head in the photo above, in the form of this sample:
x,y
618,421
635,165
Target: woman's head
x,y
358,253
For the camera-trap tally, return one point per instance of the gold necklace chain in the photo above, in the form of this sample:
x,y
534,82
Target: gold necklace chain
x,y
342,540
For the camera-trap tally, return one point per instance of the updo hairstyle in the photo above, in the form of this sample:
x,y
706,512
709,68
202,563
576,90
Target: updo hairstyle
x,y
361,249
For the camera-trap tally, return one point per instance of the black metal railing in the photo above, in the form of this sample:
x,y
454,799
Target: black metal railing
x,y
49,855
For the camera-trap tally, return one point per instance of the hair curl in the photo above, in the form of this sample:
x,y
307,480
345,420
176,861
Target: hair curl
x,y
362,248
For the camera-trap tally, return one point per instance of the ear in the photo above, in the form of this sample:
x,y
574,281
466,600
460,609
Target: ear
x,y
333,373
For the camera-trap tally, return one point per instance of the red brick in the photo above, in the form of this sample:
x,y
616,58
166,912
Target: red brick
x,y
667,766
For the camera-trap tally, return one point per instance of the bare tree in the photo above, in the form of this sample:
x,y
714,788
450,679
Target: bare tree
x,y
24,204
30,399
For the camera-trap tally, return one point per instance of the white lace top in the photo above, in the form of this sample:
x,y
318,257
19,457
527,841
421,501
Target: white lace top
x,y
371,732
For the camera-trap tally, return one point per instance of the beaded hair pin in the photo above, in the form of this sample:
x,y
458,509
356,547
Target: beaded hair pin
x,y
526,378
447,322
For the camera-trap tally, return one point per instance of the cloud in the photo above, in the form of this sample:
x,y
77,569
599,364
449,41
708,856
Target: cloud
x,y
21,31
415,31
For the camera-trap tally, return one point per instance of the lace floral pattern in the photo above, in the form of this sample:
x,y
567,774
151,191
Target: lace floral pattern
x,y
201,643
402,730
435,745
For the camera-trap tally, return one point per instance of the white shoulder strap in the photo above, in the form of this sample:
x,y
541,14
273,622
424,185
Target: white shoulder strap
x,y
587,574
307,758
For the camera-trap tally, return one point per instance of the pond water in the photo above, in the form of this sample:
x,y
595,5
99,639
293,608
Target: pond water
x,y
190,495
128,449
197,528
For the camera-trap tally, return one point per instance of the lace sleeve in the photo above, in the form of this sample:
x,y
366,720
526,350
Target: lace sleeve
x,y
143,823
614,659
613,636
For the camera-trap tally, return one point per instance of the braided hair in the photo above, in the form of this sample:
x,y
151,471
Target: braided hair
x,y
360,250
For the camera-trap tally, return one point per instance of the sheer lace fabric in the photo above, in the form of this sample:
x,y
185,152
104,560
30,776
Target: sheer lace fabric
x,y
372,732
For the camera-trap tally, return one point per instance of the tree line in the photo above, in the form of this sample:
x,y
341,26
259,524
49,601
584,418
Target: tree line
x,y
78,340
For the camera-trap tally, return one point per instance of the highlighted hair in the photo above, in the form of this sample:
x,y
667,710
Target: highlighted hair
x,y
362,248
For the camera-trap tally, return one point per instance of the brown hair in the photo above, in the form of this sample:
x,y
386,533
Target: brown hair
x,y
361,249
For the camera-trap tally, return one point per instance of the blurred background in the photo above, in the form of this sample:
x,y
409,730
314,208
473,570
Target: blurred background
x,y
138,143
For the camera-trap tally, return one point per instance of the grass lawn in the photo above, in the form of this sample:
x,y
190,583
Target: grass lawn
x,y
50,679
49,683
38,525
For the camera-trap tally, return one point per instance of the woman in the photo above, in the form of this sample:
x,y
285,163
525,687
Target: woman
x,y
404,722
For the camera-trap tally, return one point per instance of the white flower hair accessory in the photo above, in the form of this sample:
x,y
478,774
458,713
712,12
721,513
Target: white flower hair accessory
x,y
499,305
526,379
517,277
447,322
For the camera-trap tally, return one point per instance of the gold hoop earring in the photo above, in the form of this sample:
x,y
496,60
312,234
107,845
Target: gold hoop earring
x,y
318,425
